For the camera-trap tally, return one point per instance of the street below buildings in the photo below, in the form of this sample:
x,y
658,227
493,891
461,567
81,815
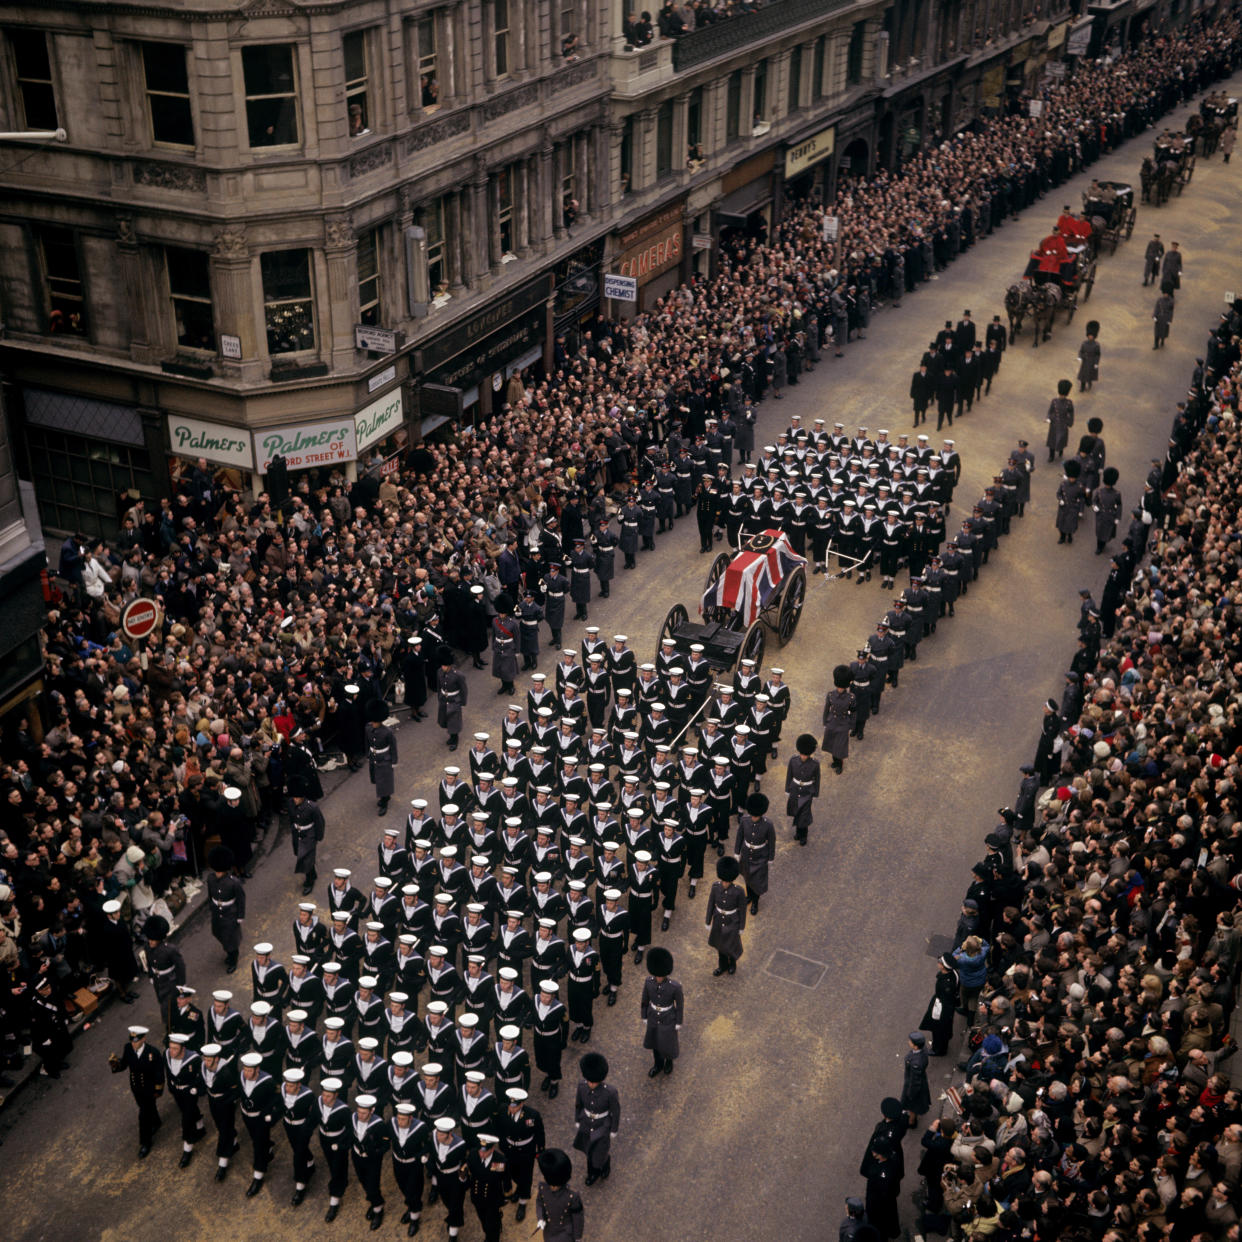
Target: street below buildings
x,y
760,1129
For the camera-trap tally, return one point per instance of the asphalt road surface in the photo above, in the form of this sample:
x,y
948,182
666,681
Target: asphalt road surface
x,y
760,1130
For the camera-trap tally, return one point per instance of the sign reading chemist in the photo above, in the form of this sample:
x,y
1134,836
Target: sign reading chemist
x,y
226,446
306,445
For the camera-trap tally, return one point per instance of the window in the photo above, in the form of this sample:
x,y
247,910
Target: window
x,y
168,94
795,80
570,46
189,286
664,139
854,61
760,103
694,124
77,478
288,305
368,278
433,225
500,20
356,106
504,181
428,62
569,169
627,155
66,305
817,71
271,95
733,107
34,78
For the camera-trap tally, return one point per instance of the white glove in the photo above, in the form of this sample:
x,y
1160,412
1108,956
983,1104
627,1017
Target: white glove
x,y
541,1225
677,1027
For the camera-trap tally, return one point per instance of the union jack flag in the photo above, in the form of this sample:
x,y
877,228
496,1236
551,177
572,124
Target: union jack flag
x,y
753,576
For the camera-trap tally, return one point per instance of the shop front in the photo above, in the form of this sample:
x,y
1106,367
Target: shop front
x,y
744,209
808,162
651,253
464,369
88,458
229,449
380,433
576,293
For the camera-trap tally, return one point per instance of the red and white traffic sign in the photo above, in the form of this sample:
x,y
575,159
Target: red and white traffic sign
x,y
140,618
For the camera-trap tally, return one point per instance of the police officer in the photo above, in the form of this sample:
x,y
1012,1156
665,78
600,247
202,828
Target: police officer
x,y
581,566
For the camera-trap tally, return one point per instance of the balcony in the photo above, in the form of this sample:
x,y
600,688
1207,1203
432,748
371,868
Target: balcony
x,y
749,30
637,70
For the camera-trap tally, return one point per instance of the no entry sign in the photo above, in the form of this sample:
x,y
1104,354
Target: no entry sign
x,y
140,618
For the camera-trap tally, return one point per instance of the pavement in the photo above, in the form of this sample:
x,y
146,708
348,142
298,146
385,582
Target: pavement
x,y
784,1064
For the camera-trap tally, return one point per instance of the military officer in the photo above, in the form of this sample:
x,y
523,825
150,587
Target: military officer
x,y
451,694
557,1208
486,1176
662,1007
146,1081
755,847
228,904
381,754
597,1114
840,711
306,830
522,1139
802,786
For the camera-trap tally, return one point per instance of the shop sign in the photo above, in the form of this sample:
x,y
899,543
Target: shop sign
x,y
227,446
456,340
818,147
652,247
306,444
379,419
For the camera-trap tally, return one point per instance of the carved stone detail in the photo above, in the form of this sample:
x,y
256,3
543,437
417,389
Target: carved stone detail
x,y
369,160
231,242
170,176
437,131
510,101
339,231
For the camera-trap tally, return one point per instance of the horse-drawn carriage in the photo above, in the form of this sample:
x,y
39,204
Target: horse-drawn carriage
x,y
764,584
1109,206
1168,169
1040,294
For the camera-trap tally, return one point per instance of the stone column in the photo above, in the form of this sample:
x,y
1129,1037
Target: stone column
x,y
494,247
681,132
545,189
233,285
137,291
746,119
602,180
455,243
645,149
521,207
560,156
337,318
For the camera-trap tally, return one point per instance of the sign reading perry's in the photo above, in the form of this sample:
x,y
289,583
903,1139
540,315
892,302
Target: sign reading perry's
x,y
379,419
306,445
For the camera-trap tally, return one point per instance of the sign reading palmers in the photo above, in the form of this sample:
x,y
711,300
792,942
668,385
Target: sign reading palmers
x,y
229,446
306,445
379,419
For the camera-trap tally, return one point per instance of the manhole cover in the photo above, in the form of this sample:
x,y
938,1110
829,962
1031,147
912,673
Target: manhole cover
x,y
794,968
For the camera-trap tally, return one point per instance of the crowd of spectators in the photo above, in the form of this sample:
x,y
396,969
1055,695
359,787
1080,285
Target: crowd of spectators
x,y
1096,956
274,603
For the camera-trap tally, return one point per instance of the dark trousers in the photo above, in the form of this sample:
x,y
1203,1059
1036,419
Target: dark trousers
x,y
521,1162
409,1175
336,1155
191,1118
224,1117
369,1170
490,1221
300,1145
260,1139
148,1119
453,1191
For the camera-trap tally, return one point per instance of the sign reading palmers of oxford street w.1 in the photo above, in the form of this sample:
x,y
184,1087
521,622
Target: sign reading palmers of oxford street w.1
x,y
379,419
227,446
306,444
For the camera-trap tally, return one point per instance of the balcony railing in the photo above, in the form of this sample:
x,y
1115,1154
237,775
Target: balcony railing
x,y
734,33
